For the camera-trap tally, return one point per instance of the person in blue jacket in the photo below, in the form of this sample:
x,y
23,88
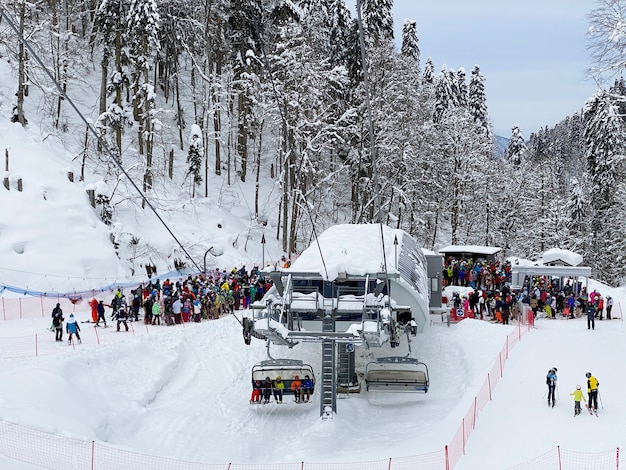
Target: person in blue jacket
x,y
307,388
551,381
72,328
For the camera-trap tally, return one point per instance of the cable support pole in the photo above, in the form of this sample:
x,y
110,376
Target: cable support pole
x,y
26,44
377,215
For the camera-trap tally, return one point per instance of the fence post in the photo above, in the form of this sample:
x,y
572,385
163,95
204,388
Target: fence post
x,y
475,410
447,458
500,361
20,303
36,345
388,468
463,427
558,453
4,311
489,384
93,455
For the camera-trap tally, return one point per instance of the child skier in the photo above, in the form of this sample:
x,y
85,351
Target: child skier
x,y
578,395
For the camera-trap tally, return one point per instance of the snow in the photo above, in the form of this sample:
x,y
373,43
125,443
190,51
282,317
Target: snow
x,y
555,255
149,393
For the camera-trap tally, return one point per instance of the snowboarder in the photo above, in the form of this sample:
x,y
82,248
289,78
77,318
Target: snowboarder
x,y
592,390
72,328
578,395
57,321
551,382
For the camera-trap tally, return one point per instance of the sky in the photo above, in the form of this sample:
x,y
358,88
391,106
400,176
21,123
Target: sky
x,y
533,54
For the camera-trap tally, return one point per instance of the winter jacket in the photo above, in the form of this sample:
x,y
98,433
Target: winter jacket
x,y
296,385
156,309
307,384
592,383
578,395
590,311
551,379
71,326
279,385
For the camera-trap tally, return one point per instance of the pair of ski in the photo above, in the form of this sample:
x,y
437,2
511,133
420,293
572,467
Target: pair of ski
x,y
591,412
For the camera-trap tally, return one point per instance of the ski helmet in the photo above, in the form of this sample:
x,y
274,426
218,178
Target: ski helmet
x,y
577,387
588,374
554,369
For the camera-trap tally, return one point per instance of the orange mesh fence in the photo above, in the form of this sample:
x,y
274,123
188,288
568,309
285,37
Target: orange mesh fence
x,y
561,459
53,451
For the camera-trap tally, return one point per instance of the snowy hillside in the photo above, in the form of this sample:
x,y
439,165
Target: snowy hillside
x,y
53,240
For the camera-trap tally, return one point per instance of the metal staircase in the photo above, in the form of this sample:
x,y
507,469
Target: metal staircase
x,y
328,400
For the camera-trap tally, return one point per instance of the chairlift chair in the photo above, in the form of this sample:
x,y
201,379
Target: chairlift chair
x,y
396,374
287,369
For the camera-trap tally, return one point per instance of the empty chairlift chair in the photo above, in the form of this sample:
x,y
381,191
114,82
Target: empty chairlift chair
x,y
396,374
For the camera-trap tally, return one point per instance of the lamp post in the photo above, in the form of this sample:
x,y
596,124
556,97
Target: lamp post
x,y
395,247
206,253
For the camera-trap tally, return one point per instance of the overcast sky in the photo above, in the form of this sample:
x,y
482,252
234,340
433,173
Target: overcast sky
x,y
533,53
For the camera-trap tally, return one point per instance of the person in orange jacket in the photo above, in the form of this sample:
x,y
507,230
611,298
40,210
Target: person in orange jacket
x,y
93,303
296,385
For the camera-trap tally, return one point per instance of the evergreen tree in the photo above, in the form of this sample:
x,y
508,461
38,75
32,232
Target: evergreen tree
x,y
478,100
604,142
410,44
195,157
517,150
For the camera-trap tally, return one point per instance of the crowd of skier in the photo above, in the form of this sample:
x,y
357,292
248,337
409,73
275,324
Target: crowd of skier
x,y
490,295
196,298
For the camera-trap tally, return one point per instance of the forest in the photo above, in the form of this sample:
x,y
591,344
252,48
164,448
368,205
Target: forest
x,y
351,124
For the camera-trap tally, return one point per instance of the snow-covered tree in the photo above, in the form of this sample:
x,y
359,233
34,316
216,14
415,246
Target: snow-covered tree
x,y
517,150
478,100
195,156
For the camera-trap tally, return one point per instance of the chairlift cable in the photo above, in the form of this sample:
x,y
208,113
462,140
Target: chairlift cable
x,y
93,131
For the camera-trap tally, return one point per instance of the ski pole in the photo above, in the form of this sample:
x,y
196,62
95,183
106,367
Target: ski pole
x,y
557,392
600,399
544,394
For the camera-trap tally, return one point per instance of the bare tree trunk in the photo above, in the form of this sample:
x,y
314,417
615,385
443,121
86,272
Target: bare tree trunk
x,y
18,115
258,171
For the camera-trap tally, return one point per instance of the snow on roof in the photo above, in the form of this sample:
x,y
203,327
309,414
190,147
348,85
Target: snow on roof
x,y
475,249
353,249
565,256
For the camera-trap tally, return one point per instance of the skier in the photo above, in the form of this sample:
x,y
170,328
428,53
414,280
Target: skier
x,y
121,317
72,328
296,385
255,397
100,309
279,386
590,310
592,389
609,306
266,388
578,395
57,321
307,388
551,382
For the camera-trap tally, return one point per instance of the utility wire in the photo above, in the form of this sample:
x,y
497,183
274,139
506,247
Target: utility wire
x,y
106,148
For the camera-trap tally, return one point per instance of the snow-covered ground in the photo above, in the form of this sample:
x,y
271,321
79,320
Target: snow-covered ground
x,y
183,393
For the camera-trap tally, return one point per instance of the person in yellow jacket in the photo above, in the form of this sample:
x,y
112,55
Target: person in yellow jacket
x,y
578,395
279,387
592,390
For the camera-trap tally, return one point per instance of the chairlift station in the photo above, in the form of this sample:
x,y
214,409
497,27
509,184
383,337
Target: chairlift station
x,y
356,286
